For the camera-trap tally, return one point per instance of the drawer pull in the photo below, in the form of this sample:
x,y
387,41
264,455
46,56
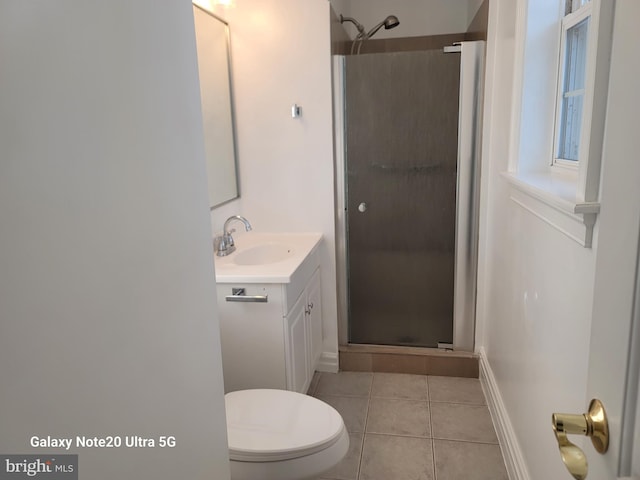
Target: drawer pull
x,y
239,295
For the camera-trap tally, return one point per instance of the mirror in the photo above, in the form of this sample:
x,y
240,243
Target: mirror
x,y
214,67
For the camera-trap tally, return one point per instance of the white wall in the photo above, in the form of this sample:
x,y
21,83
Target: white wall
x,y
535,284
417,17
472,9
107,293
281,56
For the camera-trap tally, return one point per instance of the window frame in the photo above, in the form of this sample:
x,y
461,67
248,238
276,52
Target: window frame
x,y
565,198
580,12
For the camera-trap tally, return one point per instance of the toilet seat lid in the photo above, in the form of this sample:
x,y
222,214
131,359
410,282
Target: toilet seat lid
x,y
270,425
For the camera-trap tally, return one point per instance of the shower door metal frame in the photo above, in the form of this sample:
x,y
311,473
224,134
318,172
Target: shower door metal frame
x,y
470,113
342,279
468,194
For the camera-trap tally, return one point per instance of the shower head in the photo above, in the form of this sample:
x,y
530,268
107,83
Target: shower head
x,y
355,22
391,22
388,23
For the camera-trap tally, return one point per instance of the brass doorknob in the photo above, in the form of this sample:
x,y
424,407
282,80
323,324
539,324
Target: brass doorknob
x,y
592,424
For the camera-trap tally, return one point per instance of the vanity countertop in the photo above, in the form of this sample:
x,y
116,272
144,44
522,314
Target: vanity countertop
x,y
265,257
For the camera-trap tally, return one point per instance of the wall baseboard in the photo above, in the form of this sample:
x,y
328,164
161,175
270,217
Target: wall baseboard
x,y
328,362
513,457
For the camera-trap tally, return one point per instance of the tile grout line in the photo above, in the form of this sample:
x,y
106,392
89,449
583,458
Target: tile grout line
x,y
457,440
364,429
477,442
433,443
342,395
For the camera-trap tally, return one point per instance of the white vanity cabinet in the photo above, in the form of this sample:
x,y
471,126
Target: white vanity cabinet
x,y
272,338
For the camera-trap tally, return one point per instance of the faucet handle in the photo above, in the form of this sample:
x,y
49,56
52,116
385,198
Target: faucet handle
x,y
225,246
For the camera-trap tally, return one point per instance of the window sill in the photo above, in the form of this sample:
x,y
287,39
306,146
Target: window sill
x,y
552,198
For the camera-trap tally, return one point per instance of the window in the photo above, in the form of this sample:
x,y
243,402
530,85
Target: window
x,y
560,83
571,88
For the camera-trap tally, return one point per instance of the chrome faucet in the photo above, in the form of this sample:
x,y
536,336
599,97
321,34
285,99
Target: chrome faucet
x,y
224,244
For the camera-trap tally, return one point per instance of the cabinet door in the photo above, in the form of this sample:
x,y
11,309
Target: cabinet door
x,y
314,320
252,339
298,378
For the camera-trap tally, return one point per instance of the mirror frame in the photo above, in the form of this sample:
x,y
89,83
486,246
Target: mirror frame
x,y
210,153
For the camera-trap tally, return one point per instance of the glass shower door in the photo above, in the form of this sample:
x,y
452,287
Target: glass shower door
x,y
401,153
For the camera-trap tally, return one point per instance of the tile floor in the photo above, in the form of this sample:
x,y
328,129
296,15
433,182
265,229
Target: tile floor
x,y
412,427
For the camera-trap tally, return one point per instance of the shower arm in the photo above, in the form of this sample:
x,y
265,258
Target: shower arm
x,y
373,31
355,22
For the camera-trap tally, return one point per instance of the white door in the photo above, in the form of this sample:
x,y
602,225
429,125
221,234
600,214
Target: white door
x,y
617,254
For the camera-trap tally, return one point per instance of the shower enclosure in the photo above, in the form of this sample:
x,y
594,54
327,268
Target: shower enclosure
x,y
409,142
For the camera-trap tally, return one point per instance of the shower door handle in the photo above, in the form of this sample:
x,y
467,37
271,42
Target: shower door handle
x,y
362,207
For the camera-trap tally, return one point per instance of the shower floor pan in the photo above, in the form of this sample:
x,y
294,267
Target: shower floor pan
x,y
415,360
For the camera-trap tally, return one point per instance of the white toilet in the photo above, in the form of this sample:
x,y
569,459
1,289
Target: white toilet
x,y
282,435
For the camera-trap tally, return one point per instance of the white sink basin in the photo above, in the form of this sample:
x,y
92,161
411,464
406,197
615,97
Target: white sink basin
x,y
266,257
263,254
